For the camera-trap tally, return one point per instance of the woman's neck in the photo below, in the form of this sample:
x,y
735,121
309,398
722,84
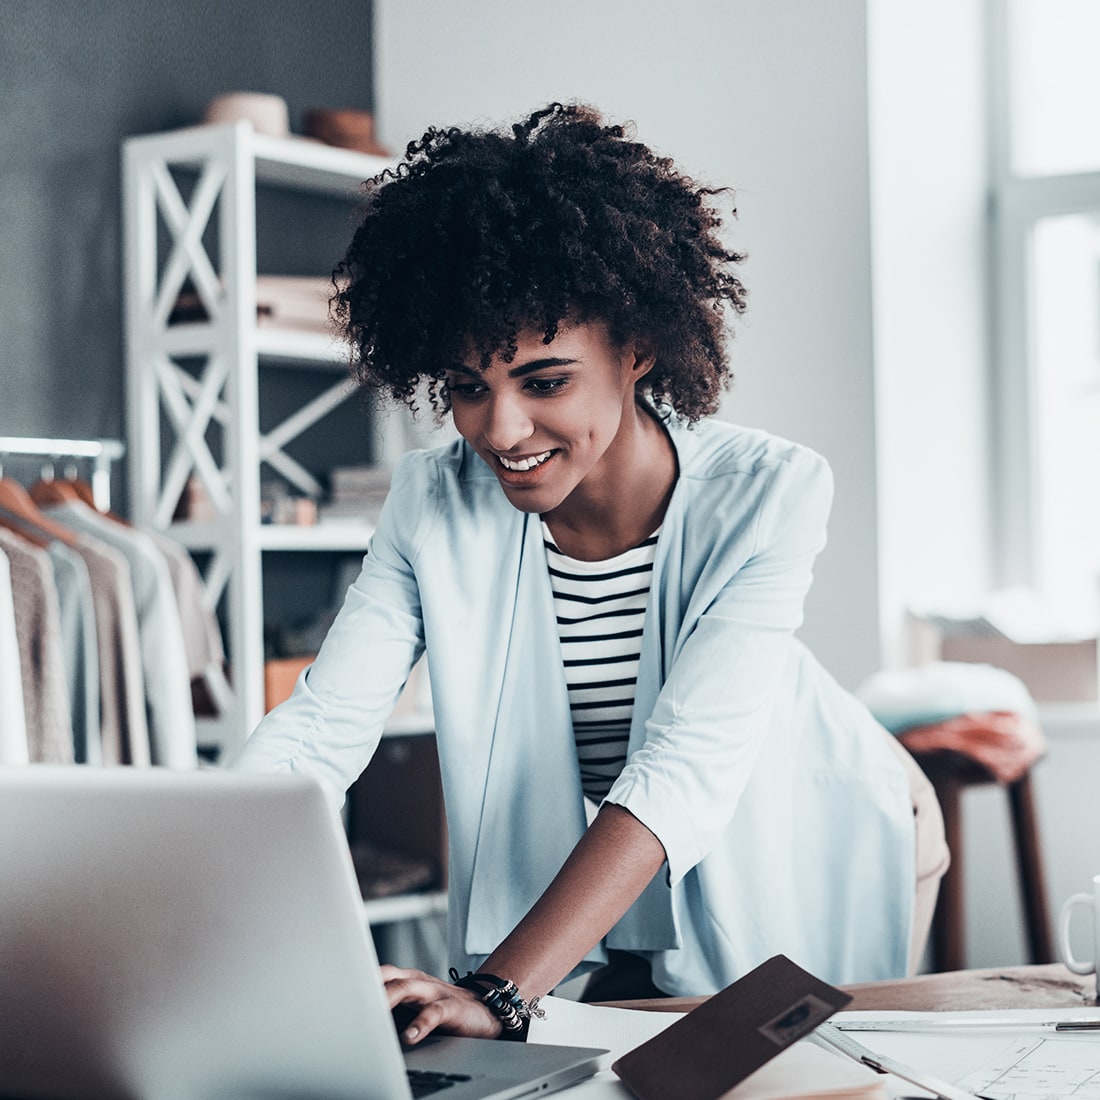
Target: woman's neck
x,y
627,504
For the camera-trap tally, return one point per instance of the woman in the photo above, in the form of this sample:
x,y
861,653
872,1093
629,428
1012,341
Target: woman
x,y
607,587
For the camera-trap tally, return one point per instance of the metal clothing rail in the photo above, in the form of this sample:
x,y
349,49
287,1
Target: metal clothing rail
x,y
102,452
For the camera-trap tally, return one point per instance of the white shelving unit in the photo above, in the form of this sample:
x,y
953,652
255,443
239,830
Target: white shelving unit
x,y
225,165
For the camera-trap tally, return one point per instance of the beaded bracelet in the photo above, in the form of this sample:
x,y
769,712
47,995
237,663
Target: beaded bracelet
x,y
502,998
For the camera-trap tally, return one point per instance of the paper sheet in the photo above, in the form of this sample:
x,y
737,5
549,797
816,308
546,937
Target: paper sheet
x,y
992,1053
571,1023
1041,1068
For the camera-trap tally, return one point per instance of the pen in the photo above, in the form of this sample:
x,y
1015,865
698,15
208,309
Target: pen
x,y
1089,1023
943,1090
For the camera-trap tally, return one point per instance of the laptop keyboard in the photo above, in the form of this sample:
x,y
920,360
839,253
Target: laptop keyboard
x,y
426,1082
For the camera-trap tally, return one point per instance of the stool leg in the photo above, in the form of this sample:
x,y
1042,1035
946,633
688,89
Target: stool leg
x,y
1029,865
948,924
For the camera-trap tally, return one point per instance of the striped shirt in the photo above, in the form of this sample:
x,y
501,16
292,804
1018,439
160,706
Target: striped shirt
x,y
600,607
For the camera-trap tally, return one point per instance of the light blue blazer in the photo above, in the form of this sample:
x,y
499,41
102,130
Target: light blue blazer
x,y
781,805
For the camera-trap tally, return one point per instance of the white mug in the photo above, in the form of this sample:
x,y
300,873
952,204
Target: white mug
x,y
1093,902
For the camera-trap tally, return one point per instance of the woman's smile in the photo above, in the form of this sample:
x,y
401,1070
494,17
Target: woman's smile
x,y
522,465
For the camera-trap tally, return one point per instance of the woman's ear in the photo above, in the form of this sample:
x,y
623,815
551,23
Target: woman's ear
x,y
642,359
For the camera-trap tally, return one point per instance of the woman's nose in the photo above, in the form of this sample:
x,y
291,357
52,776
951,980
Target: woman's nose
x,y
506,423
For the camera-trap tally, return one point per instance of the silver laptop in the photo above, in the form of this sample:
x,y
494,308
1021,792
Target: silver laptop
x,y
169,935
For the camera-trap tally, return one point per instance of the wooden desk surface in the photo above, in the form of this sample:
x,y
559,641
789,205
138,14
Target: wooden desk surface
x,y
1047,986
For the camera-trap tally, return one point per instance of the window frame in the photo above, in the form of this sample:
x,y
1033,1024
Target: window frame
x,y
1017,204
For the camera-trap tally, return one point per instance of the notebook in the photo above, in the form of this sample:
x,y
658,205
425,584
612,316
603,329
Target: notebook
x,y
168,935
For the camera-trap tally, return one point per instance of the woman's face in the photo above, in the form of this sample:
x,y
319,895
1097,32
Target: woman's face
x,y
552,419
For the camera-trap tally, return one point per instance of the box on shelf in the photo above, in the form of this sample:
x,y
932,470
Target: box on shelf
x,y
356,493
1059,671
280,675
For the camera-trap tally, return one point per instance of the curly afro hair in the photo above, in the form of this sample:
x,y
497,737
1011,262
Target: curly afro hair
x,y
479,235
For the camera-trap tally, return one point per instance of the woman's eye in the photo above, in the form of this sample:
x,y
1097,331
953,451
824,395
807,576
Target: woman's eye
x,y
546,385
464,391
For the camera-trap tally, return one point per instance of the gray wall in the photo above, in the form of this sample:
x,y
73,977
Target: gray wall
x,y
76,77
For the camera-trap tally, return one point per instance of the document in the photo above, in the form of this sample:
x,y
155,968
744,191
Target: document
x,y
1000,1054
1045,1067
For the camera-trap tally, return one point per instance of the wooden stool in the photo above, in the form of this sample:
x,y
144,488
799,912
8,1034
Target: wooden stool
x,y
951,773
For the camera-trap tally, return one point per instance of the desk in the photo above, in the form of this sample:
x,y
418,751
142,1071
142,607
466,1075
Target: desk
x,y
1047,986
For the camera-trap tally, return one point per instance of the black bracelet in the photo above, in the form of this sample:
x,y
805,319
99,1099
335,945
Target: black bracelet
x,y
502,998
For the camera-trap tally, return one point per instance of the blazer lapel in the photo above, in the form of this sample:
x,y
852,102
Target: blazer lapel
x,y
532,813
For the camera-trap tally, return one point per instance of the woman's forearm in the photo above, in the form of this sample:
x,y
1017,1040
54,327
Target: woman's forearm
x,y
613,863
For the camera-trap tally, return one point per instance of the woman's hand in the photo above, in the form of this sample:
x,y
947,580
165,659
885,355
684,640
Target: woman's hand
x,y
442,1005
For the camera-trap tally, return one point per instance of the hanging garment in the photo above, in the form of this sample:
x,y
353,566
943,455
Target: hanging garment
x,y
38,629
202,638
13,724
79,650
163,657
123,726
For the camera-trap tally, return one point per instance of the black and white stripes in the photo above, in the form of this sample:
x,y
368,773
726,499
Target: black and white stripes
x,y
600,607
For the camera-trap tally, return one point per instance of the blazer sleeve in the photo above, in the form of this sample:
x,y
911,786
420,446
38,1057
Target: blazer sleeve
x,y
330,726
712,713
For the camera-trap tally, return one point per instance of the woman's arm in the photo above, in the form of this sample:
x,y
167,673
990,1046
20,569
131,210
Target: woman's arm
x,y
610,866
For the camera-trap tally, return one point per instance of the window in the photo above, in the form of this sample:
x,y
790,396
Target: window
x,y
1046,200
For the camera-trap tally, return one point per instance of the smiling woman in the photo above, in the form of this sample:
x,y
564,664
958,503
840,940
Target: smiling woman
x,y
560,426
647,777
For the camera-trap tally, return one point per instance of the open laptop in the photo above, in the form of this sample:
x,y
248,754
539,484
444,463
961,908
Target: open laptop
x,y
168,935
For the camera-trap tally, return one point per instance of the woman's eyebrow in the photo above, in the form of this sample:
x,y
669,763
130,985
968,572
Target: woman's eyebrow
x,y
538,364
461,368
516,372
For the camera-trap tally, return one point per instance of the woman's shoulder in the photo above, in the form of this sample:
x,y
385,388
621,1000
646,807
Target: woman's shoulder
x,y
717,450
447,466
446,482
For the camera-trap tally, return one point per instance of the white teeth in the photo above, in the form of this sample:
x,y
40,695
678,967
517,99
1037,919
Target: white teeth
x,y
524,463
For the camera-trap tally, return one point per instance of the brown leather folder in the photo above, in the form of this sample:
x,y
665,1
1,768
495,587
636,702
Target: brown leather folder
x,y
730,1035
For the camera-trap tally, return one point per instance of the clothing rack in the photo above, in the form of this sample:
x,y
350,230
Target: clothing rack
x,y
102,452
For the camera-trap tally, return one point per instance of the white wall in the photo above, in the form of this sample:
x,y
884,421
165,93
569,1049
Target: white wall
x,y
929,227
935,381
768,96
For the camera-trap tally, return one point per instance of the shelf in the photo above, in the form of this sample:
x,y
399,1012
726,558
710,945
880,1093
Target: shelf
x,y
405,907
321,536
350,537
179,231
307,165
277,346
296,163
282,344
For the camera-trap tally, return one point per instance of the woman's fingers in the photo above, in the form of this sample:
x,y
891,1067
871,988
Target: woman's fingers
x,y
442,1006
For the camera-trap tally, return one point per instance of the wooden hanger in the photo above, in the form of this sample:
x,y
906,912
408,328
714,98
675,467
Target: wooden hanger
x,y
19,513
83,490
54,491
66,489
